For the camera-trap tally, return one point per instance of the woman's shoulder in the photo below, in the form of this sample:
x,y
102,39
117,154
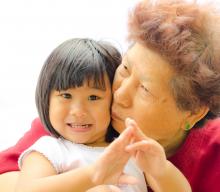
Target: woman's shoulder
x,y
202,140
206,172
209,134
199,157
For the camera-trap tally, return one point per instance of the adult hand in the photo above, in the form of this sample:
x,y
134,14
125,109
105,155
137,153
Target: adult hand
x,y
108,169
148,153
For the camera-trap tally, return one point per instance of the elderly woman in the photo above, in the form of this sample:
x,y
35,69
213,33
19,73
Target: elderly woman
x,y
169,83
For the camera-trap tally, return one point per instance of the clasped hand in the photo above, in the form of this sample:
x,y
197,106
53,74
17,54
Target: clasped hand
x,y
148,154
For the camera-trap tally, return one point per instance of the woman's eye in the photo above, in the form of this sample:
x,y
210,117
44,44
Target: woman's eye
x,y
124,70
125,67
66,95
144,88
93,97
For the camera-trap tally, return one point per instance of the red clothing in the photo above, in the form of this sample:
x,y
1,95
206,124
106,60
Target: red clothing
x,y
198,158
9,157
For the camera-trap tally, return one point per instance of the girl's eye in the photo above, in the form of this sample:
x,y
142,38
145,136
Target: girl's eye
x,y
93,97
66,95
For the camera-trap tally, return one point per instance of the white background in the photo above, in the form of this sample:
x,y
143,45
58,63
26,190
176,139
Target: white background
x,y
29,30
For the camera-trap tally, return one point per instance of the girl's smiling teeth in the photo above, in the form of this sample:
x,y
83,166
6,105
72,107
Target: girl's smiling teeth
x,y
79,126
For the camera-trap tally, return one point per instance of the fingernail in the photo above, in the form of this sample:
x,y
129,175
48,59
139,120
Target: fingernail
x,y
128,120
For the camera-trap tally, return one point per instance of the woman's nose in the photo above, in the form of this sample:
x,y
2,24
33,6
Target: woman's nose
x,y
123,94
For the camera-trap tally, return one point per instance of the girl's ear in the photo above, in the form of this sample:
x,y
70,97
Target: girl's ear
x,y
192,118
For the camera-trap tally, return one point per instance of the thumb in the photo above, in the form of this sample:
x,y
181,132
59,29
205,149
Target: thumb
x,y
137,132
113,188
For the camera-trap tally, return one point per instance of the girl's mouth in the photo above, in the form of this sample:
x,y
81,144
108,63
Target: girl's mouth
x,y
79,127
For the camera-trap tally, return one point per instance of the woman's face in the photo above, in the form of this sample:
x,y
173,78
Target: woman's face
x,y
142,91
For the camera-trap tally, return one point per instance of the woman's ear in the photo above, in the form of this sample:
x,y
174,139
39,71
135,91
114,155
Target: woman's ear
x,y
193,118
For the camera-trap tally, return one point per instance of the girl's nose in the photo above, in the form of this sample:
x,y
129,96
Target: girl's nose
x,y
77,110
123,94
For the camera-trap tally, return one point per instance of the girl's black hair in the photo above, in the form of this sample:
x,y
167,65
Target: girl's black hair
x,y
70,65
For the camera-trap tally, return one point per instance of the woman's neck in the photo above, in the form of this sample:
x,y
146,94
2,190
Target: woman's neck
x,y
172,147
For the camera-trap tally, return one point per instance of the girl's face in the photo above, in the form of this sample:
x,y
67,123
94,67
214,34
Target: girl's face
x,y
81,114
142,91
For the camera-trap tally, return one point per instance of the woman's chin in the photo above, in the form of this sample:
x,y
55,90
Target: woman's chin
x,y
118,125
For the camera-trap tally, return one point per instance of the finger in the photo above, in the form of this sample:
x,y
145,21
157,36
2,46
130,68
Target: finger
x,y
117,147
124,138
113,188
137,132
141,145
148,146
127,121
127,179
126,134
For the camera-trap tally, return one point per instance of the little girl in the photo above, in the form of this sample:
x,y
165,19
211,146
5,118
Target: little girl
x,y
73,98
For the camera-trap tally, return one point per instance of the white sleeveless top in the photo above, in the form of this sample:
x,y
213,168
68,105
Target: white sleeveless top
x,y
65,155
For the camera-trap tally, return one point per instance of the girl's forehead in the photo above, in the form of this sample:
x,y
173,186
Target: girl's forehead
x,y
97,82
94,85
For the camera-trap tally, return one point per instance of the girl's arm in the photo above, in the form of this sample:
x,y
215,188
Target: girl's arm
x,y
38,175
162,175
171,180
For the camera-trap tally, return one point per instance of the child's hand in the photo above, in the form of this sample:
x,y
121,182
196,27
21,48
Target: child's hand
x,y
109,167
104,188
148,153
